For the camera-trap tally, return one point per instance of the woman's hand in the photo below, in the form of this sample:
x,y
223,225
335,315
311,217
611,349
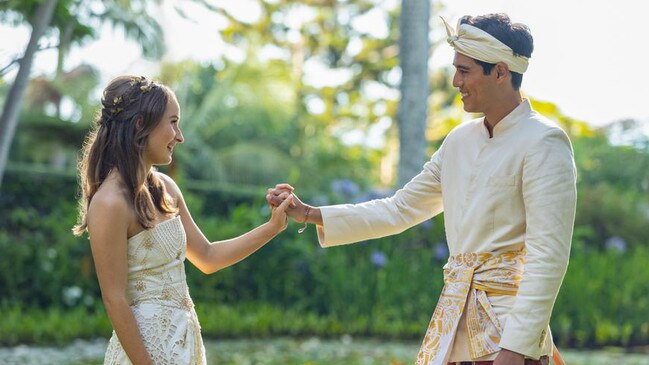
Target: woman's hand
x,y
296,210
277,195
279,218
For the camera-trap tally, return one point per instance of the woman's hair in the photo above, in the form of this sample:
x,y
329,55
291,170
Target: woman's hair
x,y
131,108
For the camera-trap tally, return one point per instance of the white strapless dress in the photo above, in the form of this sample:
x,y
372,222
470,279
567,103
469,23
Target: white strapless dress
x,y
159,298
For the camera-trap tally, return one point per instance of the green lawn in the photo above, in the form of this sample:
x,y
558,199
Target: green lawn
x,y
285,351
347,351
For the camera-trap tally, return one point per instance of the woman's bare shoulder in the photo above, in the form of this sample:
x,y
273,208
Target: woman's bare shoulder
x,y
170,185
109,200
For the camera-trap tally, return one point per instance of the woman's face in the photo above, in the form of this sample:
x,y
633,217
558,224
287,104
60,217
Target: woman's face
x,y
164,137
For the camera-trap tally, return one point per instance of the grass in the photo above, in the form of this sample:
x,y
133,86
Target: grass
x,y
288,351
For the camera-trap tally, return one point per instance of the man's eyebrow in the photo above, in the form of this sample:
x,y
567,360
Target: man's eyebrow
x,y
462,67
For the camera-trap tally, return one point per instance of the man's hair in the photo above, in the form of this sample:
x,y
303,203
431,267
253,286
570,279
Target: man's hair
x,y
516,36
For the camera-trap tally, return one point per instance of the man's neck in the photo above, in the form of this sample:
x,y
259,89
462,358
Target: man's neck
x,y
500,110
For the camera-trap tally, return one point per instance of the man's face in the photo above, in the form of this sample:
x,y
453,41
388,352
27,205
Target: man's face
x,y
476,88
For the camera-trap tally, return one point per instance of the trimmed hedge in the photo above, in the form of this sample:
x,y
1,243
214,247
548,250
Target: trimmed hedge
x,y
385,288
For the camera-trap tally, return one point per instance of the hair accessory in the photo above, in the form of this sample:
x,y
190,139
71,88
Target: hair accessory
x,y
137,80
116,111
119,103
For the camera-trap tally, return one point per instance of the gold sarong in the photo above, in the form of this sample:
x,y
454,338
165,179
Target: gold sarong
x,y
468,278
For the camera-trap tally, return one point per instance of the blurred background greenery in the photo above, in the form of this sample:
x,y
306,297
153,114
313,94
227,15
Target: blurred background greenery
x,y
249,125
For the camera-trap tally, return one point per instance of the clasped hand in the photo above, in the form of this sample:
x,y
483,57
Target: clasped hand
x,y
277,195
279,212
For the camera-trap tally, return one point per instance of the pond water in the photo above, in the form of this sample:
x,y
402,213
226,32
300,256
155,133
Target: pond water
x,y
286,351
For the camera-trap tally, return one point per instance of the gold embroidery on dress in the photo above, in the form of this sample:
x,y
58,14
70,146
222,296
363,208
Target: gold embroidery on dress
x,y
139,285
158,295
187,303
147,243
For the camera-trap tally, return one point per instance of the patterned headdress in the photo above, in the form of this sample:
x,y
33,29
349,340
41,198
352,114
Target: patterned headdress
x,y
482,46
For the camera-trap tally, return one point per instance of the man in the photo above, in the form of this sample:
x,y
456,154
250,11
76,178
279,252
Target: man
x,y
506,184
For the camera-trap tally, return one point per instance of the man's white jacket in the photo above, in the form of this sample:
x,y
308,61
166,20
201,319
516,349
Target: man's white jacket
x,y
514,190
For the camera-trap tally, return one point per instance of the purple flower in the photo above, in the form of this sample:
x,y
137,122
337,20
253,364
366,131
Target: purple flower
x,y
345,188
441,251
379,259
615,243
374,194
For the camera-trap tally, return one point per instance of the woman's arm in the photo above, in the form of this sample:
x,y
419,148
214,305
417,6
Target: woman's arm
x,y
210,257
107,227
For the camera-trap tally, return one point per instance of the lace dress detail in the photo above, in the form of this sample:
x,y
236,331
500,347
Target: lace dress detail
x,y
158,295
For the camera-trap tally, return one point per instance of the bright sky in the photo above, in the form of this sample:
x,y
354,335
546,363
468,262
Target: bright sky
x,y
590,57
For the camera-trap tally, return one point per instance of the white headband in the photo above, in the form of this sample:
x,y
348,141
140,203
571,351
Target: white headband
x,y
476,43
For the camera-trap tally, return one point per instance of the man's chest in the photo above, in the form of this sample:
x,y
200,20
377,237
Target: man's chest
x,y
475,166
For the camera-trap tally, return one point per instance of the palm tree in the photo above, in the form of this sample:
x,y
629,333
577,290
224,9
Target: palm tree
x,y
411,115
75,20
45,135
40,21
237,122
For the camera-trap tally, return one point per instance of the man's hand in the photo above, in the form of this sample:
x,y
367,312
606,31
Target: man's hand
x,y
506,357
275,197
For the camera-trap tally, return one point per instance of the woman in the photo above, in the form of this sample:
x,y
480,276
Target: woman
x,y
141,230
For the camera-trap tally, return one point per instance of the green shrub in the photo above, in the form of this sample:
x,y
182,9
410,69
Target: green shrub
x,y
43,263
387,287
51,325
604,300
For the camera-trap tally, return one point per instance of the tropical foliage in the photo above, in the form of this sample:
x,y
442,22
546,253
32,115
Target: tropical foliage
x,y
249,125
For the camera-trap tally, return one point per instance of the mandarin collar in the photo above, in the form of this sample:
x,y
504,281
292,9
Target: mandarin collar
x,y
523,109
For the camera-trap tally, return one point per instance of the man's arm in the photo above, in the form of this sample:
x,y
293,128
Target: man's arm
x,y
549,194
418,200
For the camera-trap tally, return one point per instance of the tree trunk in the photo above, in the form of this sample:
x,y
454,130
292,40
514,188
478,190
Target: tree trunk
x,y
65,38
411,115
11,110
